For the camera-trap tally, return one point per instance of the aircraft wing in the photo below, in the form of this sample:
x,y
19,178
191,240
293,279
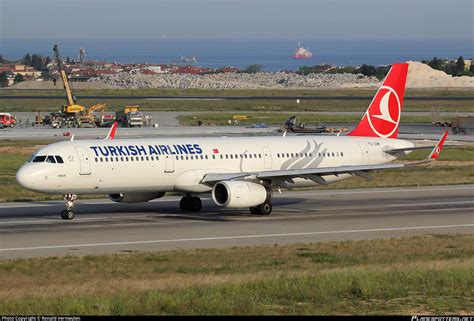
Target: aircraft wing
x,y
278,177
314,174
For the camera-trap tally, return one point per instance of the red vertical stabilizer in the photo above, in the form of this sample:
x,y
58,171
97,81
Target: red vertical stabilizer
x,y
383,115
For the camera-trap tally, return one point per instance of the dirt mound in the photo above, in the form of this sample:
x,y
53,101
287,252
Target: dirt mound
x,y
421,75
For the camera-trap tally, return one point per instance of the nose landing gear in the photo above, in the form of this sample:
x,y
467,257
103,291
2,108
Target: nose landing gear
x,y
68,212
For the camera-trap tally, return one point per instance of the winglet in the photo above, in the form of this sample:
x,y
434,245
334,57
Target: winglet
x,y
112,130
435,152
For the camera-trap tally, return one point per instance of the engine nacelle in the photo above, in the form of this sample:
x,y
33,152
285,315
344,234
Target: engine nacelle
x,y
135,197
239,194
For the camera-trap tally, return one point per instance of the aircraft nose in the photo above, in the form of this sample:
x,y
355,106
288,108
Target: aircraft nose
x,y
25,177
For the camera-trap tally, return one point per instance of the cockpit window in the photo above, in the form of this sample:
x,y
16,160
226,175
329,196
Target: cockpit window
x,y
39,159
50,159
59,159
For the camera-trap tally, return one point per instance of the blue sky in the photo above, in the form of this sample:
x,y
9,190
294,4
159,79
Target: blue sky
x,y
426,20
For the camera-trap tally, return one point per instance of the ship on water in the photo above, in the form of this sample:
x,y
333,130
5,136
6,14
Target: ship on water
x,y
302,53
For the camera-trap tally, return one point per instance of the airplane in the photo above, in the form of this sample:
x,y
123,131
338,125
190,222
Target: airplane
x,y
239,172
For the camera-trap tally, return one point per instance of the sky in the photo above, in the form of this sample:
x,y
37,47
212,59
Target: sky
x,y
427,20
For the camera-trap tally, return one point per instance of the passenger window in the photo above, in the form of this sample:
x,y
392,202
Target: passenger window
x,y
342,154
259,155
50,159
332,155
59,159
39,159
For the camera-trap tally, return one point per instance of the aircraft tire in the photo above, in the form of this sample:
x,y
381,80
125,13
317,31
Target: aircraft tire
x,y
254,210
67,214
195,204
265,208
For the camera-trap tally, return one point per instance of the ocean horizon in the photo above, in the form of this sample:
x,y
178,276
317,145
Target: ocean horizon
x,y
273,55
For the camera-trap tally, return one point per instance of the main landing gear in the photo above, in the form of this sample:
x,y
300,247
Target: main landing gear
x,y
68,212
190,204
262,209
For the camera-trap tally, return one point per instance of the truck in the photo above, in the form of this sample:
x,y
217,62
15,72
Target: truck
x,y
7,120
131,116
459,124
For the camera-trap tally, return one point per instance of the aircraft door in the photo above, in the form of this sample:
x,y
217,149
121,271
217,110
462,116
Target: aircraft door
x,y
84,162
267,157
169,164
364,148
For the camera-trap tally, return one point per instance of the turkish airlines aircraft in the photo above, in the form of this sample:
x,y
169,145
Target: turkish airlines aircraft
x,y
239,171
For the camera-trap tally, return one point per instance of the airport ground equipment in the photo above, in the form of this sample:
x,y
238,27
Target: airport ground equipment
x,y
7,120
293,125
459,125
463,124
131,116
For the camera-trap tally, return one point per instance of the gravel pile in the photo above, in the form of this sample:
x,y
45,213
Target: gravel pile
x,y
237,81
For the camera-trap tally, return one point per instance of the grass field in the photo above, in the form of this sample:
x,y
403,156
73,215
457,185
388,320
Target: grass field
x,y
49,105
455,166
220,119
431,274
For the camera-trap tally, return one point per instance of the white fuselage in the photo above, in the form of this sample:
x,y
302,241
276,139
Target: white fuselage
x,y
179,164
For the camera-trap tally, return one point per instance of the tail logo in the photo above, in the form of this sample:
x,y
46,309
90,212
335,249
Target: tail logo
x,y
384,121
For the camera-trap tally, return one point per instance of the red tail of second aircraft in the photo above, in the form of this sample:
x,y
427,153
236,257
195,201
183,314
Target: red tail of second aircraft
x,y
383,115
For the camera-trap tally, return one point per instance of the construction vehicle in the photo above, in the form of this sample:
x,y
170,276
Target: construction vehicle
x,y
294,126
7,120
72,108
73,114
131,116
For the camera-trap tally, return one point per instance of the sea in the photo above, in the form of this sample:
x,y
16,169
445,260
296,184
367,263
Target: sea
x,y
272,55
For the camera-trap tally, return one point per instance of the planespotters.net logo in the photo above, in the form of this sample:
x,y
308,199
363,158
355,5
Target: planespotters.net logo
x,y
385,111
435,318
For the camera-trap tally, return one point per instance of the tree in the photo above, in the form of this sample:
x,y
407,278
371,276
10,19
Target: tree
x,y
252,69
18,78
45,75
471,68
367,70
460,65
27,60
436,64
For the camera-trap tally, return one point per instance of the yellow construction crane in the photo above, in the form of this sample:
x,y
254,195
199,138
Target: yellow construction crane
x,y
72,107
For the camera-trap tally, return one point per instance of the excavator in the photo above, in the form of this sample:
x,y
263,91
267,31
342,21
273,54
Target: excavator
x,y
72,114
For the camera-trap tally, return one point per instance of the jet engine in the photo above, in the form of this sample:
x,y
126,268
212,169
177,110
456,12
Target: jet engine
x,y
239,194
135,197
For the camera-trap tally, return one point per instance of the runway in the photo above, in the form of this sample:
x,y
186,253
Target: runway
x,y
101,226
